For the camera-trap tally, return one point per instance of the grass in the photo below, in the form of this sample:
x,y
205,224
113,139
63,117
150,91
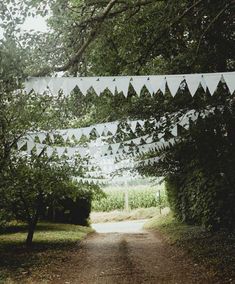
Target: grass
x,y
213,250
116,215
50,241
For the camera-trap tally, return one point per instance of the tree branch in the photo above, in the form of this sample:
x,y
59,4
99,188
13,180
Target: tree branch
x,y
74,59
210,25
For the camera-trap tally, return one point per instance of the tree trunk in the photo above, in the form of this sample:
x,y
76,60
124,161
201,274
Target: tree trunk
x,y
31,230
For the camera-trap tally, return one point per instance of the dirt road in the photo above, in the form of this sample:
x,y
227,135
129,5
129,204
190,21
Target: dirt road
x,y
121,258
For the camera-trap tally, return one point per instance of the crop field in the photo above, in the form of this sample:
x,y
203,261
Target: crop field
x,y
138,196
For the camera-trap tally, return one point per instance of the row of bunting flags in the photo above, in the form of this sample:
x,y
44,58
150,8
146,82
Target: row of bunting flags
x,y
142,144
121,84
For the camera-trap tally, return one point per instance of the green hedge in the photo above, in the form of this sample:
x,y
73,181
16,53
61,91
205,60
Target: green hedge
x,y
114,199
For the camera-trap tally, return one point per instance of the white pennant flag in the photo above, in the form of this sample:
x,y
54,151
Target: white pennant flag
x,y
132,125
172,141
174,130
138,83
77,133
122,84
184,122
20,143
40,85
41,136
30,145
84,84
60,151
111,85
71,152
39,149
229,79
28,85
51,135
112,127
212,81
49,151
137,141
173,83
194,116
193,82
115,148
82,152
100,129
54,85
86,131
68,85
99,85
141,122
156,83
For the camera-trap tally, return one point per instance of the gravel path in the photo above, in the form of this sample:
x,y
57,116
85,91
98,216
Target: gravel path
x,y
121,258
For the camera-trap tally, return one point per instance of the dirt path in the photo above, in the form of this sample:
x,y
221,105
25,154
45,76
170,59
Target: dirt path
x,y
121,258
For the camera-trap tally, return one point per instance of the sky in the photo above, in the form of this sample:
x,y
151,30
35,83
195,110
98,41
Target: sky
x,y
37,23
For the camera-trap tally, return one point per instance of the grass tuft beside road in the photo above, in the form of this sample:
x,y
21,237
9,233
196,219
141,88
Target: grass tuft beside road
x,y
50,243
216,251
117,216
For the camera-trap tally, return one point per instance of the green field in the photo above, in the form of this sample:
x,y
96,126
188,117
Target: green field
x,y
139,197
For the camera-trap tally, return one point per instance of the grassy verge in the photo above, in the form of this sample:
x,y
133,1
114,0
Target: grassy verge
x,y
213,250
50,241
117,216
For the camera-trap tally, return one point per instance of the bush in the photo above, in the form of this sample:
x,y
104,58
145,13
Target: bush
x,y
201,199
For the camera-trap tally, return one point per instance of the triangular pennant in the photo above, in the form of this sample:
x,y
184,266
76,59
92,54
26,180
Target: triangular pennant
x,y
71,152
184,122
40,85
82,151
141,122
30,145
87,131
115,148
55,85
133,125
156,83
122,84
193,82
99,85
203,83
84,84
230,81
28,85
68,85
174,130
111,85
212,81
39,148
49,151
77,133
138,83
173,83
41,136
100,129
104,150
51,135
60,151
20,143
112,127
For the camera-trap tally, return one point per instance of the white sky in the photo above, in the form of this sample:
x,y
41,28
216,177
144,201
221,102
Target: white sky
x,y
37,23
